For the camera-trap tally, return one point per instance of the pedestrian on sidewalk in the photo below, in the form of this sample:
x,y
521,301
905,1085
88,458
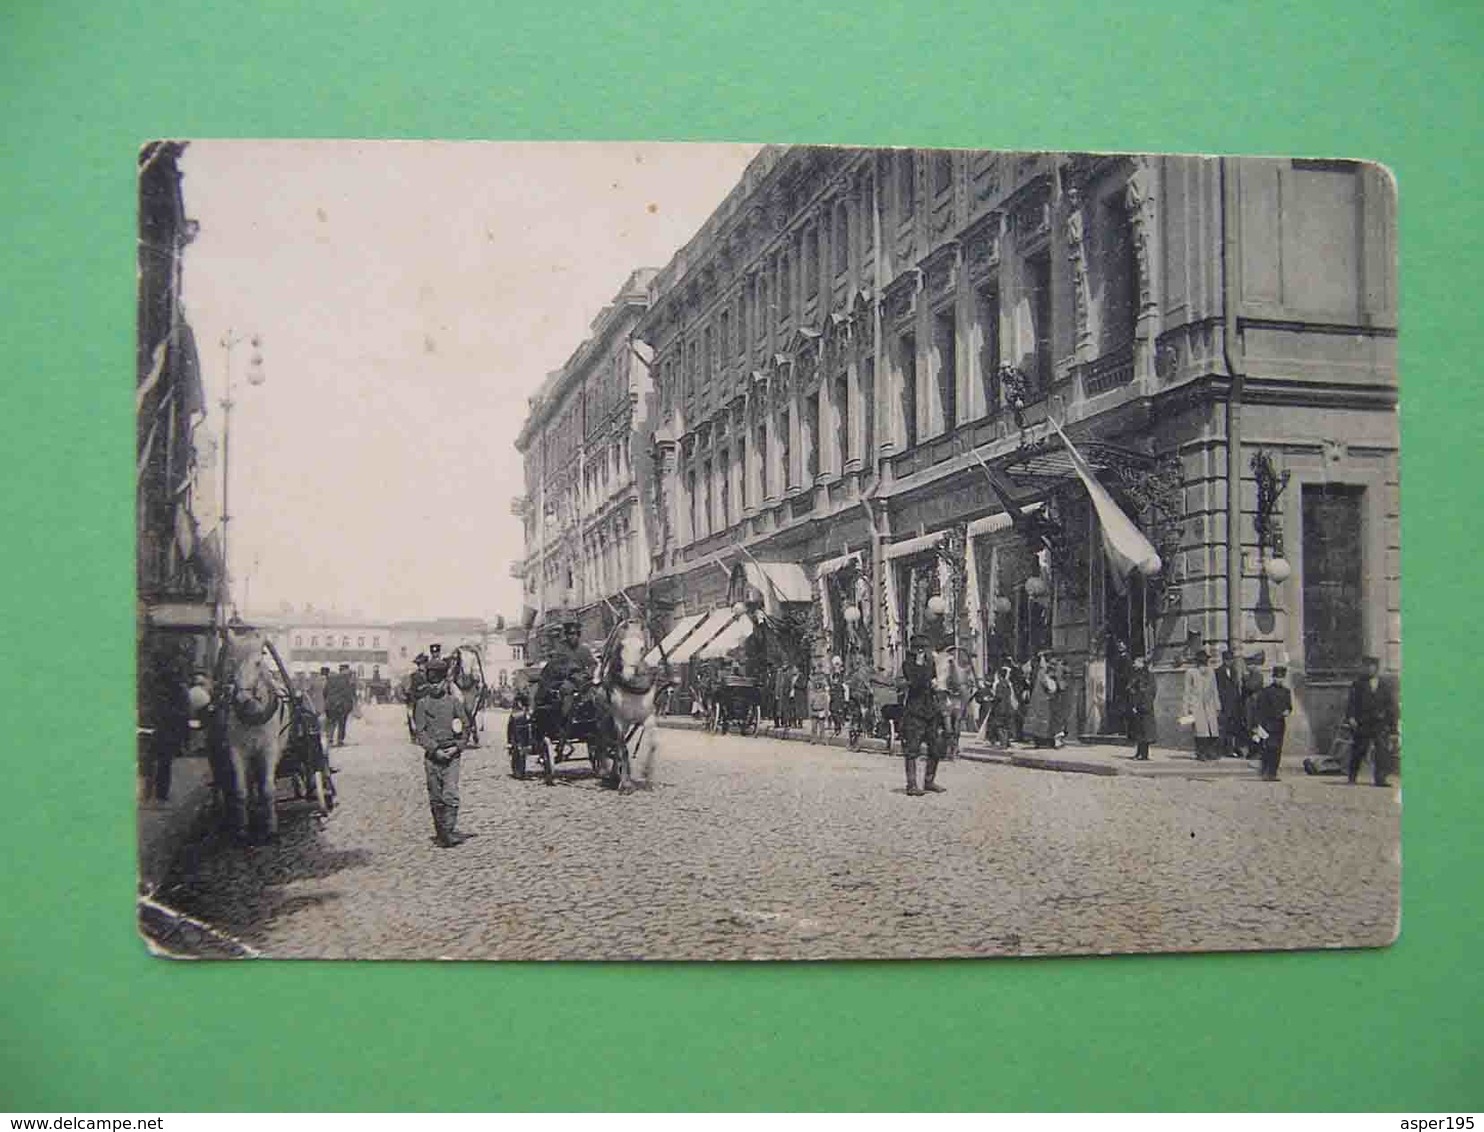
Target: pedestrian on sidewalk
x,y
1229,693
819,707
839,694
1061,703
922,718
1252,687
1371,712
1141,726
1202,708
440,724
1038,723
167,715
1272,707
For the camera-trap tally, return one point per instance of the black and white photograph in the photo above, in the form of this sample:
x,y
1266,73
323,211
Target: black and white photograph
x,y
691,551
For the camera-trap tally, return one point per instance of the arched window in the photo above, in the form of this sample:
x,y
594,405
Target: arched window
x,y
298,642
314,642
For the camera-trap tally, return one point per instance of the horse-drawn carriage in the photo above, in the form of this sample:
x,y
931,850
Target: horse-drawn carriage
x,y
606,717
876,715
736,702
264,733
539,730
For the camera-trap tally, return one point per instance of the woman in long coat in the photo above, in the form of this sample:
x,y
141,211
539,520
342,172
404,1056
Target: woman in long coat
x,y
1038,725
1141,727
1202,708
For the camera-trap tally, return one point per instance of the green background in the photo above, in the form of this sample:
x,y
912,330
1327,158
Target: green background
x,y
88,1021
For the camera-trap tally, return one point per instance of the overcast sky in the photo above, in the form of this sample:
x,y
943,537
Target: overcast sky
x,y
410,296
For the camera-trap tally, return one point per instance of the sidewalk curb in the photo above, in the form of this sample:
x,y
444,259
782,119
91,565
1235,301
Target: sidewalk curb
x,y
1043,760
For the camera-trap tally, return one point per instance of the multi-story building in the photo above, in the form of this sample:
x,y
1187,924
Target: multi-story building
x,y
857,342
308,642
588,430
178,570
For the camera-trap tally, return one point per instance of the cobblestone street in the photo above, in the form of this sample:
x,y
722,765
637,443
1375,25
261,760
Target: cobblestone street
x,y
757,848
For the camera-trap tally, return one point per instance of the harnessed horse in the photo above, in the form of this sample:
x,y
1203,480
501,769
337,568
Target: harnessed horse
x,y
628,685
256,719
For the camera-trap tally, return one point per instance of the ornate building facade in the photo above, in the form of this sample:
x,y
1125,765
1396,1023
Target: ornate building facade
x,y
855,359
583,445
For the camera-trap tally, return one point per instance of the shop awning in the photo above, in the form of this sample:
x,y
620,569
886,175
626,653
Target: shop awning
x,y
993,524
715,622
729,638
915,545
783,581
835,565
673,638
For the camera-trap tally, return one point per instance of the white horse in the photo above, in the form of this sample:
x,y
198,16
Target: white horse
x,y
628,689
256,709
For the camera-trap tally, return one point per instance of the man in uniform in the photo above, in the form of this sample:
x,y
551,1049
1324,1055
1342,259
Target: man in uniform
x,y
568,670
1271,709
440,725
922,718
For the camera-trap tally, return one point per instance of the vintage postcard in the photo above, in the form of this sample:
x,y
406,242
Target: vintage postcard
x,y
718,552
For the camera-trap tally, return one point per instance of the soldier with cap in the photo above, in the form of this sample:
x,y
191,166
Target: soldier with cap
x,y
922,717
440,726
1271,709
568,670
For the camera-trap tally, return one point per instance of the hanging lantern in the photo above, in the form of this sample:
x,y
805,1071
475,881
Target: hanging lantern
x,y
852,614
937,606
1035,586
1001,604
1277,569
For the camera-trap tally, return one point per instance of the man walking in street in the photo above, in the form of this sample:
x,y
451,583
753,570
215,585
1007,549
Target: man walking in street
x,y
1371,713
340,701
922,718
1271,709
440,724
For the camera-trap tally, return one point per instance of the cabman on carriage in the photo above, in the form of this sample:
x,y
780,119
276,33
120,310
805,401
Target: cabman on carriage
x,y
568,673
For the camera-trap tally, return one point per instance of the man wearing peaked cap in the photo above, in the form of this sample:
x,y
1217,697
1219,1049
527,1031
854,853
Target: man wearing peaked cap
x,y
440,727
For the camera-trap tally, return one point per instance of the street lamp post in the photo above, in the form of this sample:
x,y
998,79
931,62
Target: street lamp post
x,y
254,377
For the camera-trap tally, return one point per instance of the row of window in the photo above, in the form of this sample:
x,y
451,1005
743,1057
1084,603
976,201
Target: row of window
x,y
330,642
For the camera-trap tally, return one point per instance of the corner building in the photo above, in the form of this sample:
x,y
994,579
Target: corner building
x,y
854,336
585,534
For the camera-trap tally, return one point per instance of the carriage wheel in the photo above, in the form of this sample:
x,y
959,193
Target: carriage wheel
x,y
322,790
752,722
547,771
517,761
853,736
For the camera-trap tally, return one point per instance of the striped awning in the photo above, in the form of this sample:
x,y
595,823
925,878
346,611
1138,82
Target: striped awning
x,y
993,524
915,545
835,565
716,621
673,638
729,638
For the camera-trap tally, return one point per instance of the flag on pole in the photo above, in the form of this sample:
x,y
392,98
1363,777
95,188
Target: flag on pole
x,y
1126,546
